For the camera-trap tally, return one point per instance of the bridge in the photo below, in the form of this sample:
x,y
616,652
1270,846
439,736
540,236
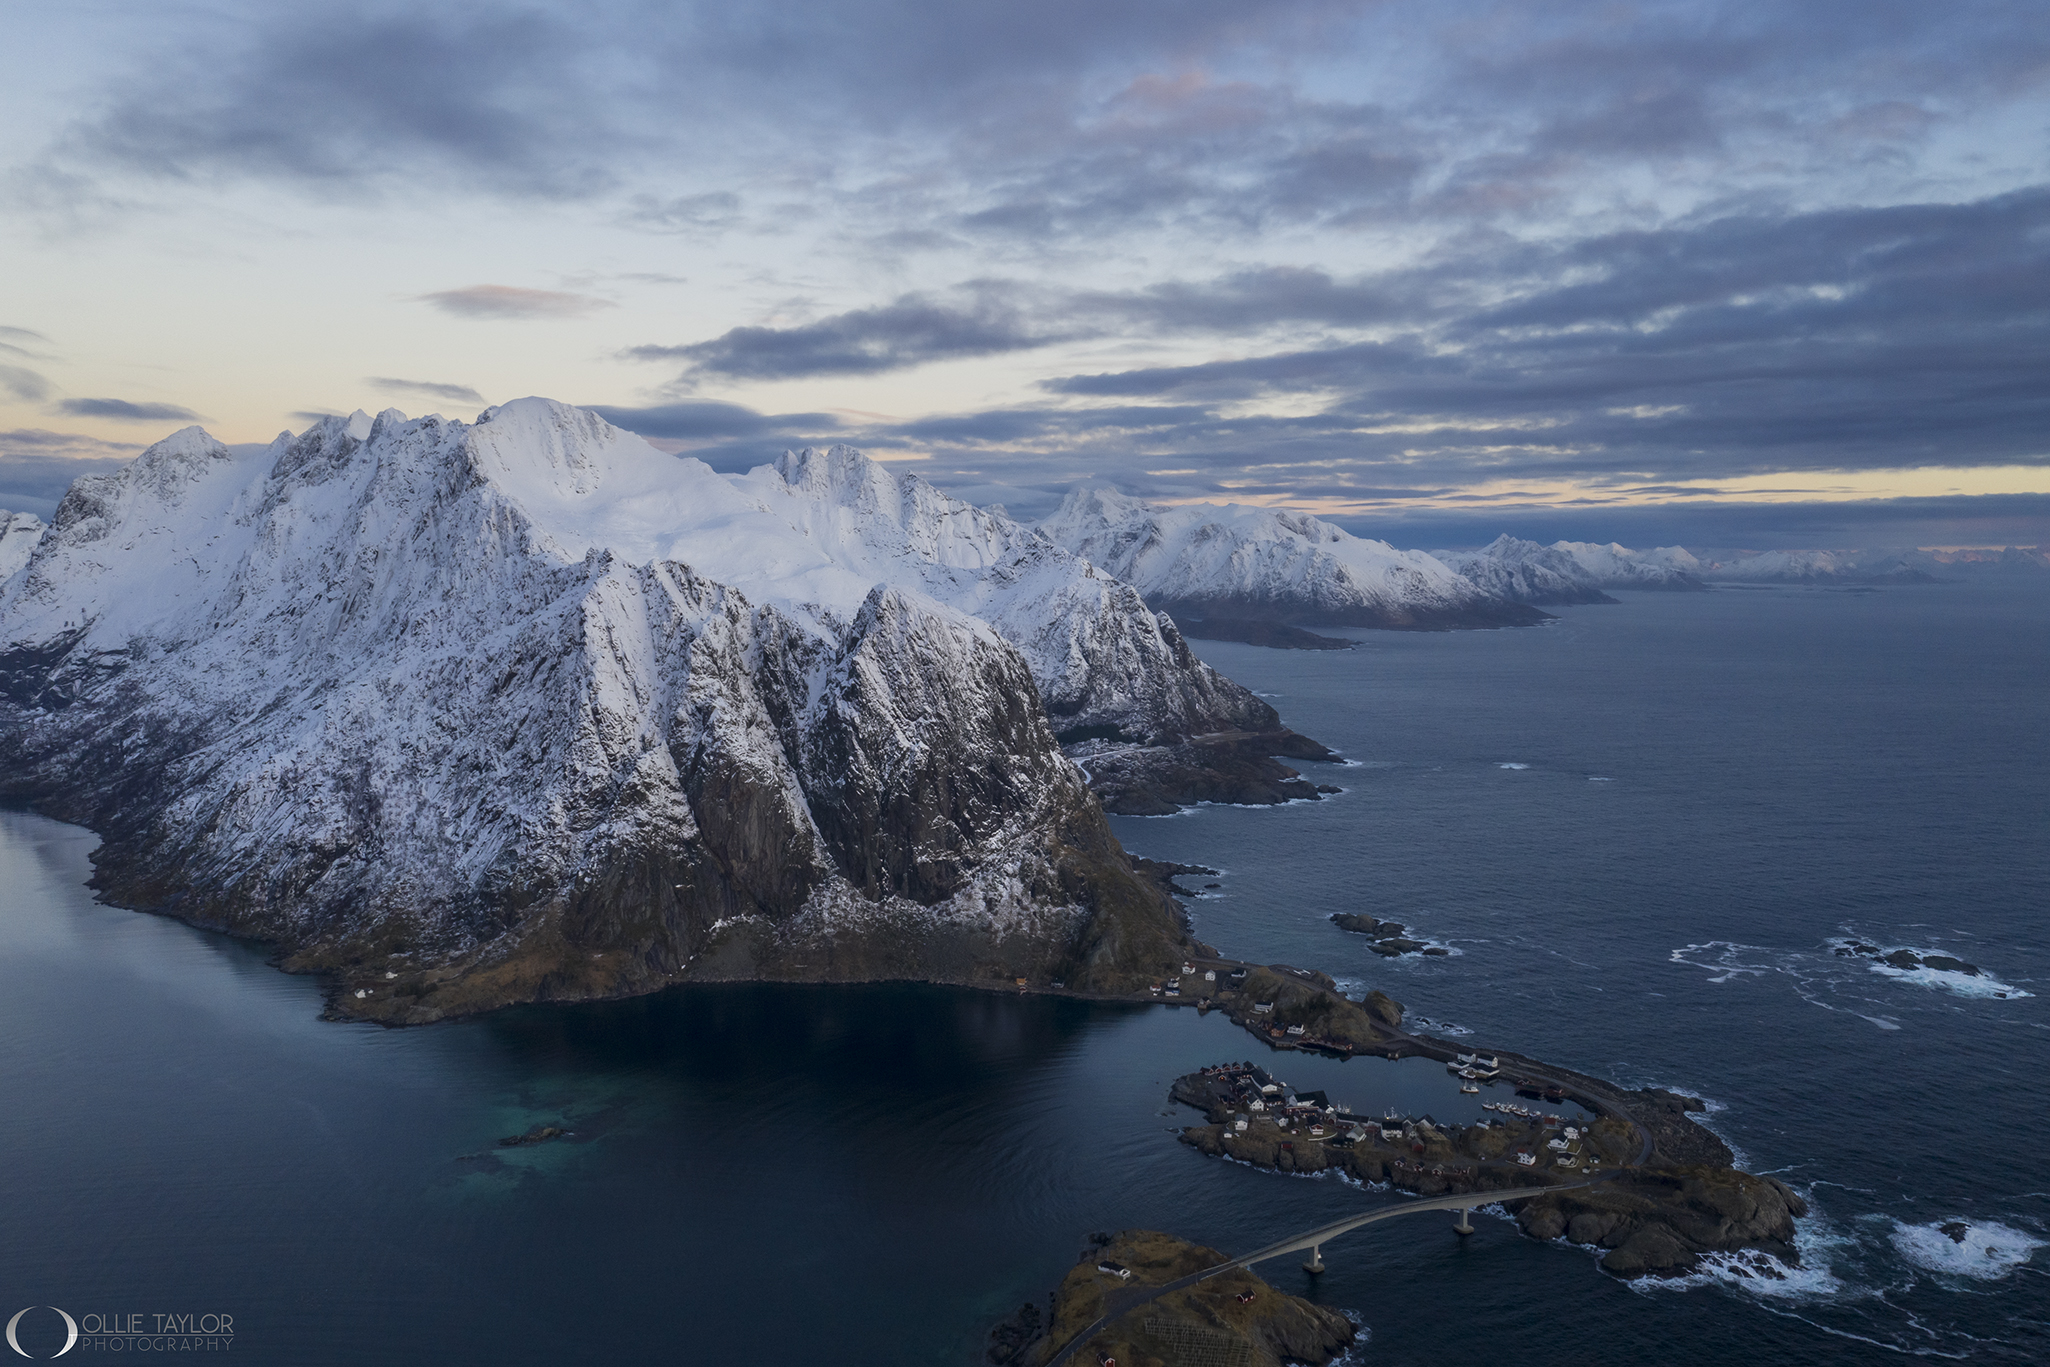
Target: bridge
x,y
1122,1301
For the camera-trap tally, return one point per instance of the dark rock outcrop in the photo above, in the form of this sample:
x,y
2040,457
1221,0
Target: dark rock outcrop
x,y
1232,1316
1229,766
1659,1221
1273,635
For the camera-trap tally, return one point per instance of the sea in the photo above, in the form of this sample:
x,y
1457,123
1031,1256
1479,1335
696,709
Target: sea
x,y
1644,832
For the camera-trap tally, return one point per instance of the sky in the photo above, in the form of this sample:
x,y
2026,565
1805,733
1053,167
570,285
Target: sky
x,y
1696,272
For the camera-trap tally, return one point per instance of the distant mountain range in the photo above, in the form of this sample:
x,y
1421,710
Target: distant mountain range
x,y
1232,561
1571,571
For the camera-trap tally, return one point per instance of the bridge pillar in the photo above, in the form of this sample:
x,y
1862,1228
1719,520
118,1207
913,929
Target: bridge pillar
x,y
1464,1226
1316,1262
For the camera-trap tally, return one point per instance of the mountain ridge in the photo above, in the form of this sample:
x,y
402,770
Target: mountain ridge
x,y
462,714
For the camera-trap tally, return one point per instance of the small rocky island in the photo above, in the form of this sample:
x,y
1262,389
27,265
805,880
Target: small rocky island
x,y
1907,960
1234,1317
1391,938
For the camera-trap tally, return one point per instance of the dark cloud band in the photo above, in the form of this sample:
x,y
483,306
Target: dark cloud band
x,y
122,410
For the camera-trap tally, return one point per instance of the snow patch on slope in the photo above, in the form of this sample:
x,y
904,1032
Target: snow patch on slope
x,y
19,533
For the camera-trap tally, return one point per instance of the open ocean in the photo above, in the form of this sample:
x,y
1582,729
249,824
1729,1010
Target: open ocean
x,y
1642,830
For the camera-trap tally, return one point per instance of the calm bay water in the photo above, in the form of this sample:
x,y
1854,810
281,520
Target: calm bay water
x,y
873,1174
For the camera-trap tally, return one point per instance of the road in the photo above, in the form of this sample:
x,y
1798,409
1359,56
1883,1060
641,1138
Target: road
x,y
1123,1301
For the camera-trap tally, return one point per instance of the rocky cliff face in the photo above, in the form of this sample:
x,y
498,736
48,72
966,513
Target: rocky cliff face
x,y
19,533
1103,662
1236,562
471,714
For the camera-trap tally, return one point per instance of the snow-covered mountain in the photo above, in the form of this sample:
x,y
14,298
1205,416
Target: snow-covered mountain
x,y
1824,567
477,713
1571,571
1234,561
1102,660
19,533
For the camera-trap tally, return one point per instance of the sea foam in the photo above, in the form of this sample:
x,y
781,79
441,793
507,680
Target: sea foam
x,y
1985,1251
1950,980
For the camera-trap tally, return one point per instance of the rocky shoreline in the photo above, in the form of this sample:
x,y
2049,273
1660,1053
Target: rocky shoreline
x,y
1241,767
1658,1219
1234,1316
1482,613
1272,635
1668,1194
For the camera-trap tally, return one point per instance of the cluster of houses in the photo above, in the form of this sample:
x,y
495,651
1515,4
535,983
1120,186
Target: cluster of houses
x,y
1256,1094
1186,984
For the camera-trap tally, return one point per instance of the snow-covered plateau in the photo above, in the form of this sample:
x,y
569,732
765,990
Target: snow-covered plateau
x,y
468,714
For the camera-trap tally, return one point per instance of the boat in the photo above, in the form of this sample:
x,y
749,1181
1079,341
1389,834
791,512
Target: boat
x,y
1470,1088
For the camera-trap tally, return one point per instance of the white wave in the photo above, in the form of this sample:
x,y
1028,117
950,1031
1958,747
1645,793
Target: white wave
x,y
1597,778
1355,1352
1950,980
1759,1274
1984,1251
1726,961
1817,1241
1512,766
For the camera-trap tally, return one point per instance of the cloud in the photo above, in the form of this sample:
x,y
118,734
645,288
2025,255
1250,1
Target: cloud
x,y
689,421
38,465
454,393
706,213
506,101
510,301
121,410
1872,338
979,320
1652,242
1039,127
13,347
41,439
24,384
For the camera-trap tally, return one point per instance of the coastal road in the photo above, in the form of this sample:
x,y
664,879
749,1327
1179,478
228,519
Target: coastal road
x,y
1123,1301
